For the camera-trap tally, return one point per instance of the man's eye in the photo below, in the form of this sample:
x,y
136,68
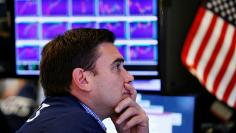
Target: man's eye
x,y
118,65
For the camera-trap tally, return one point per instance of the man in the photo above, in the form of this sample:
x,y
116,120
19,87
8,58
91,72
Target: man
x,y
84,81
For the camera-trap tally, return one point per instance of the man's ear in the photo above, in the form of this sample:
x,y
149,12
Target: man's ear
x,y
80,79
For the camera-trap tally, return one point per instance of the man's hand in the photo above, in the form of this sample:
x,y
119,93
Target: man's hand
x,y
130,117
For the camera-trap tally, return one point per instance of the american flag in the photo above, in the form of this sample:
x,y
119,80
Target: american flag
x,y
209,51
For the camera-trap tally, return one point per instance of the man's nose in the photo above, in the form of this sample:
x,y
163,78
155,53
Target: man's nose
x,y
128,77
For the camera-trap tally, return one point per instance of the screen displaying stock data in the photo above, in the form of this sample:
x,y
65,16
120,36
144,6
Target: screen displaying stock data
x,y
167,114
134,22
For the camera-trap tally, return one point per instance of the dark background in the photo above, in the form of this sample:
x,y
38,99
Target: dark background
x,y
176,19
6,48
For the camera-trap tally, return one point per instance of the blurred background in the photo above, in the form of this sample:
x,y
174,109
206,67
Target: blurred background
x,y
150,36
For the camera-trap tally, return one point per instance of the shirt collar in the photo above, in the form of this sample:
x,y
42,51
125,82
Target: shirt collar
x,y
94,115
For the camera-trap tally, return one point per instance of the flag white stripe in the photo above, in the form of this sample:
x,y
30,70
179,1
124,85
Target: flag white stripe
x,y
220,57
227,77
199,37
211,44
232,97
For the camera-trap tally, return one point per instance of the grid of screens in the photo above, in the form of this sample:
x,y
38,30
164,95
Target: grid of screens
x,y
134,22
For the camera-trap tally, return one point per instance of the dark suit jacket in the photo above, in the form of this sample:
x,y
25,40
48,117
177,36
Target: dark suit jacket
x,y
63,115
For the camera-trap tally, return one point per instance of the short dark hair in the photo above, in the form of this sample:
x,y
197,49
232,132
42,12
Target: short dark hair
x,y
76,48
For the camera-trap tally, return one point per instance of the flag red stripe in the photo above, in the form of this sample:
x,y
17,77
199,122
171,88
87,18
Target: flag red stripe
x,y
234,104
192,33
215,52
205,41
225,63
230,87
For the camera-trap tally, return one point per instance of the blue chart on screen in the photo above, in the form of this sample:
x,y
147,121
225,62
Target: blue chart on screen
x,y
180,109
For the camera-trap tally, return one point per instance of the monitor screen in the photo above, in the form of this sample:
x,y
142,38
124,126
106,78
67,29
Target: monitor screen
x,y
147,85
134,22
167,114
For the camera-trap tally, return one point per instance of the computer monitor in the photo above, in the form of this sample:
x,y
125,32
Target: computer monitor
x,y
178,111
134,22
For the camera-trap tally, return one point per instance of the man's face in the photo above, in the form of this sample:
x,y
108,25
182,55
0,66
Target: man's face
x,y
108,82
